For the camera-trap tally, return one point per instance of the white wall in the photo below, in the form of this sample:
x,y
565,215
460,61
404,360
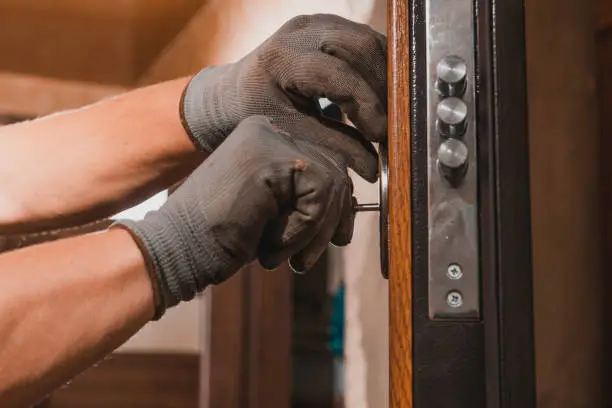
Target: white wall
x,y
252,22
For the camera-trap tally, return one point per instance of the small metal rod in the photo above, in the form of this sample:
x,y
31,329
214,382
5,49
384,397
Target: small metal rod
x,y
367,207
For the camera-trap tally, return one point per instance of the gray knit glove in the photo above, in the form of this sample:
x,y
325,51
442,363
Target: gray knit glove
x,y
309,57
261,195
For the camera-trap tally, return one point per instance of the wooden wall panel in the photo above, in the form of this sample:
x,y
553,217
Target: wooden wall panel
x,y
66,42
603,13
250,340
109,42
565,203
604,80
32,96
156,24
134,381
197,45
228,341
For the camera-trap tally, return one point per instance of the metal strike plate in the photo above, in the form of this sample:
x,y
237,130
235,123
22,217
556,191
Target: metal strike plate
x,y
454,281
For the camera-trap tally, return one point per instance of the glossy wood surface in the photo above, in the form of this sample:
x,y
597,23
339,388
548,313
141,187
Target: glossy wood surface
x,y
400,253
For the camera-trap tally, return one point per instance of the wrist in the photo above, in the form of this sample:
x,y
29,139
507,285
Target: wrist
x,y
179,266
159,302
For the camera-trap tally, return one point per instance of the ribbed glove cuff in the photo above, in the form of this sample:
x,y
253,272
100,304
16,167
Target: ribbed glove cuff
x,y
201,110
175,274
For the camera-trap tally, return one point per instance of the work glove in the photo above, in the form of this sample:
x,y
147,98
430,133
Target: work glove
x,y
261,195
309,57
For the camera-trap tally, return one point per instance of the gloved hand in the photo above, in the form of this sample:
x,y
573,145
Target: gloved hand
x,y
261,195
309,57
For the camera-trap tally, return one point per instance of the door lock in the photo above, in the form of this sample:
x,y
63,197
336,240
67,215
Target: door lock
x,y
383,209
452,167
331,111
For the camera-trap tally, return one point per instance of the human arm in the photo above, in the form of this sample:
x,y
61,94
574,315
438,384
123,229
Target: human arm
x,y
82,165
65,305
75,167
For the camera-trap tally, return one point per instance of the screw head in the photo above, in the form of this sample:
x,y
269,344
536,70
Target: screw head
x,y
454,299
454,271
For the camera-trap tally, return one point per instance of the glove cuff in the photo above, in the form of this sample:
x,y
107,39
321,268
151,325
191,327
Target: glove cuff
x,y
175,274
201,110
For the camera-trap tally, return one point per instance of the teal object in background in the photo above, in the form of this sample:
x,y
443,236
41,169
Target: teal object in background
x,y
337,323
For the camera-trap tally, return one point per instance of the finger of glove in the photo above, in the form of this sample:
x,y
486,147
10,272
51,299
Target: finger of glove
x,y
342,207
317,74
337,229
365,50
359,154
344,232
307,257
358,44
316,196
272,250
306,246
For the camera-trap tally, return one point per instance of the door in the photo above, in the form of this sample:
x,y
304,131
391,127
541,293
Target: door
x,y
459,250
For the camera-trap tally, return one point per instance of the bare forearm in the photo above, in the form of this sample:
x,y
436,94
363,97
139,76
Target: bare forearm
x,y
82,165
64,306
